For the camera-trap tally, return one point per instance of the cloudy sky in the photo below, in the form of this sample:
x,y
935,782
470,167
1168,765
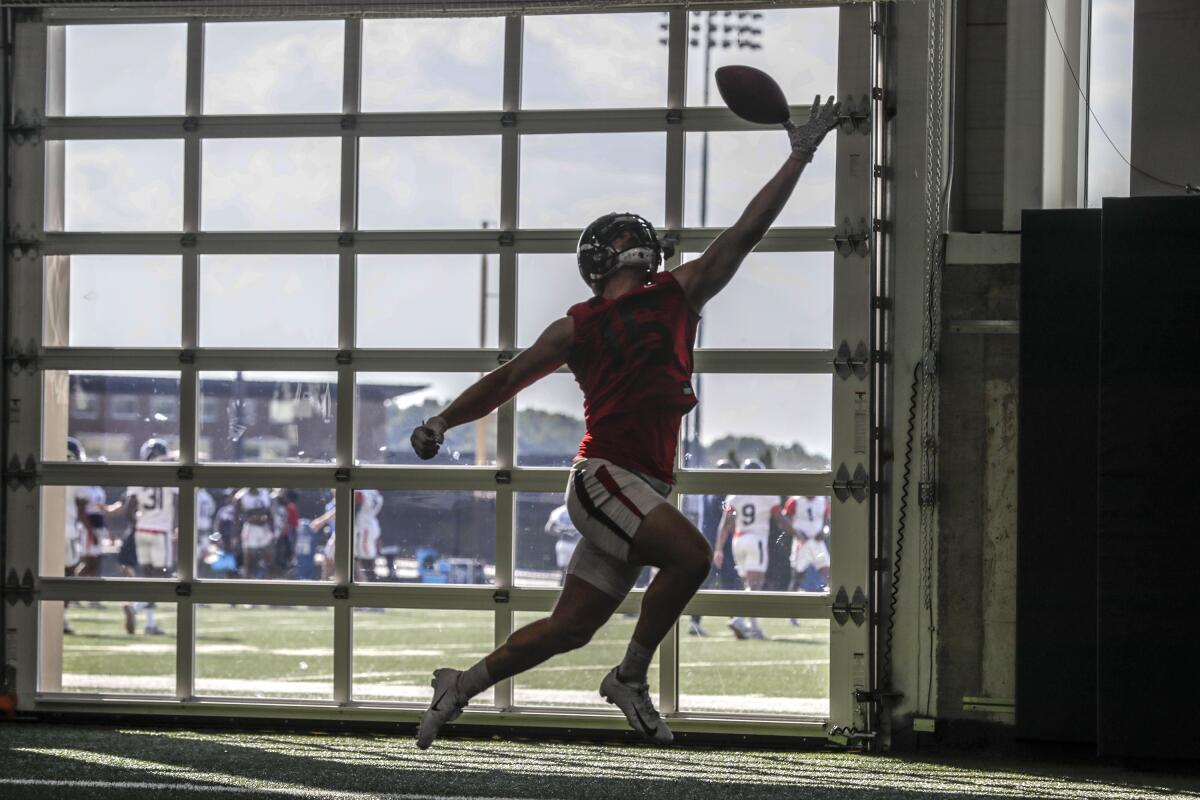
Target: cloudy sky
x,y
594,61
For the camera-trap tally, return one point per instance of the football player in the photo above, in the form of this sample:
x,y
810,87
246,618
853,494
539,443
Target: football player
x,y
749,518
559,524
809,516
367,505
712,515
206,511
154,513
630,349
255,526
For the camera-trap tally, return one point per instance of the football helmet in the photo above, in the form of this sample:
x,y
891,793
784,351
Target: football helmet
x,y
153,449
75,451
599,259
725,463
753,463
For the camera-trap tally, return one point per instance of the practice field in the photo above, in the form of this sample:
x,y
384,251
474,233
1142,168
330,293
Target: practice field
x,y
284,652
46,760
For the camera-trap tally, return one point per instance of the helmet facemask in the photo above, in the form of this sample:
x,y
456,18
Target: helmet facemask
x,y
599,258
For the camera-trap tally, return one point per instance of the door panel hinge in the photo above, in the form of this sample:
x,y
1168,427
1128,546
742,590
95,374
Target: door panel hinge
x,y
853,240
845,486
16,475
846,363
21,589
849,608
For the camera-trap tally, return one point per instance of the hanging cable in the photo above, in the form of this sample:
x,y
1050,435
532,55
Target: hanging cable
x,y
1190,188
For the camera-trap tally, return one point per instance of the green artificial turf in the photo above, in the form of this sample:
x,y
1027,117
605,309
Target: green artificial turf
x,y
285,652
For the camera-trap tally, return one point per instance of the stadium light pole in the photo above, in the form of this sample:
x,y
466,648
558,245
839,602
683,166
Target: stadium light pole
x,y
481,425
709,30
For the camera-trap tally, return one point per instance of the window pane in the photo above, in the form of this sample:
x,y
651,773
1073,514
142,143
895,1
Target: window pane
x,y
391,404
265,651
386,283
785,673
1111,86
432,64
740,163
268,301
549,422
545,539
777,300
271,184
573,679
137,539
396,650
100,657
424,182
547,285
568,180
120,70
594,61
269,416
121,185
262,533
273,67
112,301
786,418
798,48
111,413
425,537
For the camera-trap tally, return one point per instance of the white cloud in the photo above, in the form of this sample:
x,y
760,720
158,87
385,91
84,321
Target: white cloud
x,y
271,184
273,67
122,185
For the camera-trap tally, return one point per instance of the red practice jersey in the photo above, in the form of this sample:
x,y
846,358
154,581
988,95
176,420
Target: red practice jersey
x,y
632,357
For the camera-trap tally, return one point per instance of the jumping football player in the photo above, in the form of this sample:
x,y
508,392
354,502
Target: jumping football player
x,y
630,348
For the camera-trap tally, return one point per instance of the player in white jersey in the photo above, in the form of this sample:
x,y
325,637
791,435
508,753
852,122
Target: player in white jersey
x,y
809,516
367,505
154,512
255,527
749,518
559,524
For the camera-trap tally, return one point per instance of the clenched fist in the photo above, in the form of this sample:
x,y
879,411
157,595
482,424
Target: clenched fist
x,y
427,438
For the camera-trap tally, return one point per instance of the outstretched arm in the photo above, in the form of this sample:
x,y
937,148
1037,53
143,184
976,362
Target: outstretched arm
x,y
702,278
499,386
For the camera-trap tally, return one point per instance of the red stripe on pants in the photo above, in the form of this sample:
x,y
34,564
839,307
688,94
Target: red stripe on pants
x,y
608,482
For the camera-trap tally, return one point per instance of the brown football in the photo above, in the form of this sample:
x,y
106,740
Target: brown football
x,y
752,94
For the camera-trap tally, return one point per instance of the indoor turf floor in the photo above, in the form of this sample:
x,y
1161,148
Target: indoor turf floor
x,y
53,760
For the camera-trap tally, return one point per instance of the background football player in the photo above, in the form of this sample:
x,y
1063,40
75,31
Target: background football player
x,y
367,505
559,524
153,511
809,516
255,526
749,518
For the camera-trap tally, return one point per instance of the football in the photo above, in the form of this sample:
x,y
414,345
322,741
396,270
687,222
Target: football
x,y
752,94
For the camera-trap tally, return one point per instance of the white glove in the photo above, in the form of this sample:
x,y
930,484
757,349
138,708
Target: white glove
x,y
821,120
427,437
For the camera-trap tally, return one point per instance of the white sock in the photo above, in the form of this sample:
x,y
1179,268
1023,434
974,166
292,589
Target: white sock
x,y
474,680
754,624
150,617
636,664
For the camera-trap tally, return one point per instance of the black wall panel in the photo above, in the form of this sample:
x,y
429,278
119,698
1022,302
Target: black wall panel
x,y
1149,455
1057,427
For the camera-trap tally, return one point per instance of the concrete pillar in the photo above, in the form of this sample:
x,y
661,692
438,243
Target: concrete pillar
x,y
1166,96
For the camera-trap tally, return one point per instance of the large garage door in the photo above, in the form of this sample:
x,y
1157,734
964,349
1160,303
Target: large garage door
x,y
270,247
